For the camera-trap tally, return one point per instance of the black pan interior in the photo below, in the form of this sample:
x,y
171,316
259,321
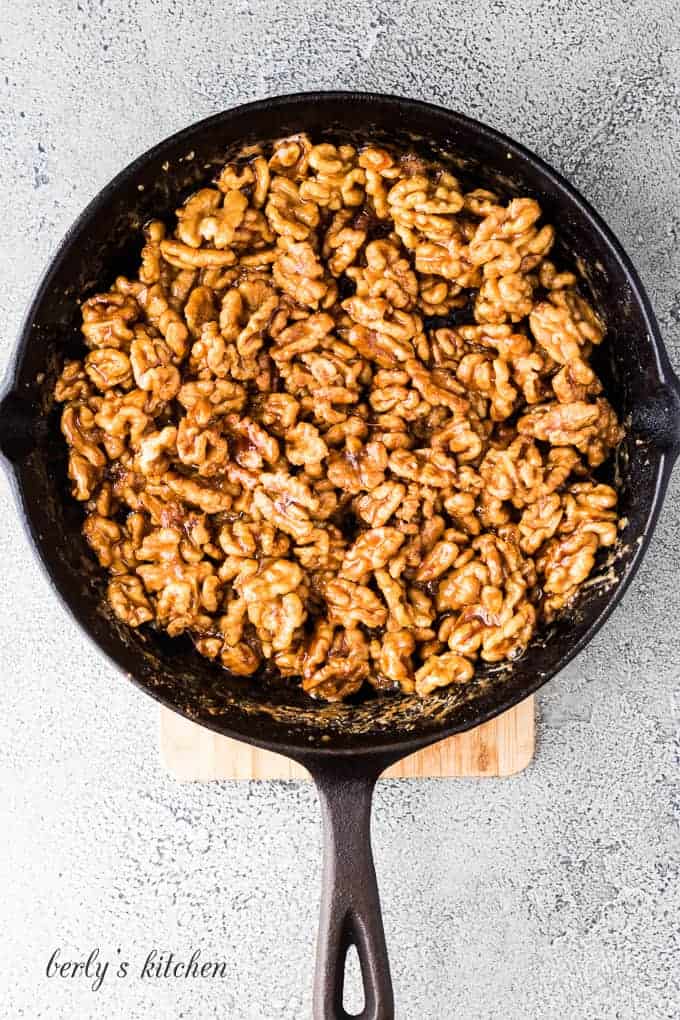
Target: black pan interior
x,y
107,240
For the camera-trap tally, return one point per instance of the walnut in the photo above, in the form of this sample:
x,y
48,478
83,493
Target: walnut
x,y
394,660
592,428
207,400
73,383
303,336
298,273
505,297
160,314
280,457
358,468
377,506
346,664
336,181
420,205
290,157
152,368
208,215
342,242
204,449
379,168
508,241
108,367
372,549
387,273
287,212
128,600
107,319
304,446
349,602
441,671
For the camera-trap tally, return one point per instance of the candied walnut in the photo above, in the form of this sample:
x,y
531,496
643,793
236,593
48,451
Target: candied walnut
x,y
107,319
72,384
304,446
550,279
508,241
342,242
123,416
387,273
204,449
539,522
156,451
273,602
575,381
281,458
298,273
290,157
504,298
379,168
199,309
377,506
128,600
240,659
286,502
377,314
197,493
567,561
287,212
345,654
108,367
280,412
371,550
208,215
437,296
184,256
394,662
420,205
407,608
449,259
442,671
522,475
592,428
160,314
491,377
152,368
563,324
437,387
350,603
79,426
589,507
336,180
440,557
358,468
428,467
303,336
209,399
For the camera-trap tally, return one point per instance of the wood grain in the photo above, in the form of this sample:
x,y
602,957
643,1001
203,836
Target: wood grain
x,y
501,747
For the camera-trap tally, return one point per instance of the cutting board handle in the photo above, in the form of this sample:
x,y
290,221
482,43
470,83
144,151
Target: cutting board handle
x,y
350,904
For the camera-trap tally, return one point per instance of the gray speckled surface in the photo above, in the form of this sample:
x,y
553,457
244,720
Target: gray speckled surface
x,y
551,895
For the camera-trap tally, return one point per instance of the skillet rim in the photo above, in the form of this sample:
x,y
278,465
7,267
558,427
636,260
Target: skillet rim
x,y
387,749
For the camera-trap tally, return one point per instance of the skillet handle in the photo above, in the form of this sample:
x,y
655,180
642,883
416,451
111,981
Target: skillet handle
x,y
350,904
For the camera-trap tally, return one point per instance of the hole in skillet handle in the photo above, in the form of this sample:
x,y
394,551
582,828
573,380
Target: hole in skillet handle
x,y
17,434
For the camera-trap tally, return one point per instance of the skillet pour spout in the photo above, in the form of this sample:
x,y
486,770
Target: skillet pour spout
x,y
345,747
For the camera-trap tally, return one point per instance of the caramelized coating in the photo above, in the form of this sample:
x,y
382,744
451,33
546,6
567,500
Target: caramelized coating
x,y
282,455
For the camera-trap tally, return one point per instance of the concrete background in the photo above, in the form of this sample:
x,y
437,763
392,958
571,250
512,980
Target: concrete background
x,y
551,895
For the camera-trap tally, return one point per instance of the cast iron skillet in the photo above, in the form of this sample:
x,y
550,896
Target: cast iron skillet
x,y
345,747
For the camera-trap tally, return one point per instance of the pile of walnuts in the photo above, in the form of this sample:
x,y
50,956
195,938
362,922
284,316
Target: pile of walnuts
x,y
281,455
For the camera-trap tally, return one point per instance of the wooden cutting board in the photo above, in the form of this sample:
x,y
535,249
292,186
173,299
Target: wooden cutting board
x,y
501,747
